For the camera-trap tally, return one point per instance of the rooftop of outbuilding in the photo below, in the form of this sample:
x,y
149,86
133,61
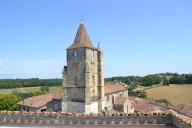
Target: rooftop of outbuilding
x,y
115,87
40,101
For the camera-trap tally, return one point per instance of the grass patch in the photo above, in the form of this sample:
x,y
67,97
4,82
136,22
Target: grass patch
x,y
29,90
176,94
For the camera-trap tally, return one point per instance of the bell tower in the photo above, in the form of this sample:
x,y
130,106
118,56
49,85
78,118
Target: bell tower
x,y
83,78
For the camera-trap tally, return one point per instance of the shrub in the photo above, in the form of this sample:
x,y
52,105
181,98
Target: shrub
x,y
163,101
9,102
44,88
141,94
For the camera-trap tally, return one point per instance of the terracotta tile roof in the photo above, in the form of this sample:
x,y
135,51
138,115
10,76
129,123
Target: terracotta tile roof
x,y
114,87
144,106
66,115
183,109
40,101
82,39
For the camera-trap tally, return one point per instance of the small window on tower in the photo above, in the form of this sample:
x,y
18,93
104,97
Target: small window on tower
x,y
92,54
75,53
75,81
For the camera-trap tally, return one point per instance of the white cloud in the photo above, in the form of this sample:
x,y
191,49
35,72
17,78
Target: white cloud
x,y
30,68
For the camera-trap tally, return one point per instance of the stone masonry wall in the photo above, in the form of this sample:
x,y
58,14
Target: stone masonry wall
x,y
47,118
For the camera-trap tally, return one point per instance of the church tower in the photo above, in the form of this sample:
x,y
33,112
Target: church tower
x,y
83,77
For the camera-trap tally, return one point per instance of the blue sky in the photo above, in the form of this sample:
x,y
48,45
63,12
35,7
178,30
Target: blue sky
x,y
138,37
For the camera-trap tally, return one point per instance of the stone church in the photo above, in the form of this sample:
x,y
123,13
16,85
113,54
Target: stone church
x,y
83,81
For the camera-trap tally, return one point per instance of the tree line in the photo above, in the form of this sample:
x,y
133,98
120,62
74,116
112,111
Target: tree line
x,y
149,80
33,82
143,81
155,79
181,79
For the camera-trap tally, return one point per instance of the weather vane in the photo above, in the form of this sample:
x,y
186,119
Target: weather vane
x,y
82,18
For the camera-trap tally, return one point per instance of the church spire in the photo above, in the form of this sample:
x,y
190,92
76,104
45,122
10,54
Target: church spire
x,y
82,38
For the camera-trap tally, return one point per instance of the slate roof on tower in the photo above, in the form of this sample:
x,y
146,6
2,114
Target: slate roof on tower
x,y
81,39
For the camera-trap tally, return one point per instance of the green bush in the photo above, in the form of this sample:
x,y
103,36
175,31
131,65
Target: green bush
x,y
141,94
9,102
44,88
163,101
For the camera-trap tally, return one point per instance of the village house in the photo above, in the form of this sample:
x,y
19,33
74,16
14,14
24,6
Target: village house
x,y
48,102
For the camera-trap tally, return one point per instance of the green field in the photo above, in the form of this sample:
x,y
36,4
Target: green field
x,y
175,94
29,89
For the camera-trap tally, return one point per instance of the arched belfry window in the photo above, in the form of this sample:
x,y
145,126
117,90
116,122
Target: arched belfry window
x,y
75,53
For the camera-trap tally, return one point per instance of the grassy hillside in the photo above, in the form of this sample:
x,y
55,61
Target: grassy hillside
x,y
176,94
29,89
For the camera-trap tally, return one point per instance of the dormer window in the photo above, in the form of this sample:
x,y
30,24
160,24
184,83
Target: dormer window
x,y
75,53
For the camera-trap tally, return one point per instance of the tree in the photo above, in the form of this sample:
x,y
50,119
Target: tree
x,y
165,81
178,79
188,79
8,102
131,87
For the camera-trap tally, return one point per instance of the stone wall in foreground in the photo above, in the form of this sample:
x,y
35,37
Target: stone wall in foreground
x,y
53,118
